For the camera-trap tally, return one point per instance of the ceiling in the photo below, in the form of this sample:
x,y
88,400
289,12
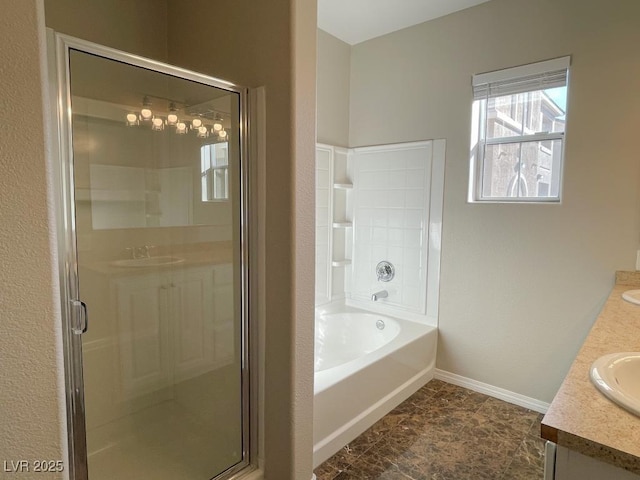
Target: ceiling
x,y
354,21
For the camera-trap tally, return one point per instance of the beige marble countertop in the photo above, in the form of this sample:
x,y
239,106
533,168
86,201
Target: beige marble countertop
x,y
580,417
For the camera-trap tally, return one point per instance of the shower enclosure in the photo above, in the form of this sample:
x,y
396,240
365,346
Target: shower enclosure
x,y
152,193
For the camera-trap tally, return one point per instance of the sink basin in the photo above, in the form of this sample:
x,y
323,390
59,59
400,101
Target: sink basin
x,y
147,261
617,376
632,296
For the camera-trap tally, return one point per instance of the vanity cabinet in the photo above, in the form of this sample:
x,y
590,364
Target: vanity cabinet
x,y
567,464
597,439
172,326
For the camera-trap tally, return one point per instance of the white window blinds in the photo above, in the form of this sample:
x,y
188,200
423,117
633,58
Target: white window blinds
x,y
525,78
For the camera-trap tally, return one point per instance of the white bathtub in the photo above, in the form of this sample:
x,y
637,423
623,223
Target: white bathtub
x,y
365,365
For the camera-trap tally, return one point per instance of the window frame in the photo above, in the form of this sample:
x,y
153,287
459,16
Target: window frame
x,y
208,175
538,76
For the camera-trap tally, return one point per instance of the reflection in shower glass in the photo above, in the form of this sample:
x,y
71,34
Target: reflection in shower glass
x,y
215,172
159,269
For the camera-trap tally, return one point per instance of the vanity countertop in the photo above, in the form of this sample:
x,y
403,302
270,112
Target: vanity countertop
x,y
580,417
220,253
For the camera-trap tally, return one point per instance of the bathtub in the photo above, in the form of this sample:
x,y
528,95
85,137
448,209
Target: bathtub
x,y
365,365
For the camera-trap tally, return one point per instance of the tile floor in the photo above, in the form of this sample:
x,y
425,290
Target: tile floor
x,y
444,432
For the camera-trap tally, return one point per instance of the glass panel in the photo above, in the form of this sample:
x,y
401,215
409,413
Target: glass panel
x,y
526,169
159,270
526,113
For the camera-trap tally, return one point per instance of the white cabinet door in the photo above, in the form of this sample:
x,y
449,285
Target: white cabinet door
x,y
192,323
173,326
143,334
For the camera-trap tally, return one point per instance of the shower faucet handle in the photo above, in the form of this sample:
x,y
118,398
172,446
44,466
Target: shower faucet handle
x,y
385,271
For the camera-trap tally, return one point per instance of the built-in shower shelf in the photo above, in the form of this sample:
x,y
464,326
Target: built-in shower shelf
x,y
342,224
343,186
340,263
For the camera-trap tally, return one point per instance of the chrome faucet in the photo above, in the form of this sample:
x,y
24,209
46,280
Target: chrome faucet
x,y
143,251
378,295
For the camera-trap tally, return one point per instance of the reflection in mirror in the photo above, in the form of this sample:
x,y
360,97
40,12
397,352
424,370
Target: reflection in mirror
x,y
215,172
163,147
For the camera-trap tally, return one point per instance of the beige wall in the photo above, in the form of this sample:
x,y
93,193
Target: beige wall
x,y
521,284
137,27
255,48
31,385
334,63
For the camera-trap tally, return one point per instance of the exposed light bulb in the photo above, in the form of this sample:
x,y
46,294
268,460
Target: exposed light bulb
x,y
196,123
146,113
181,128
157,123
203,132
172,118
222,133
132,119
217,127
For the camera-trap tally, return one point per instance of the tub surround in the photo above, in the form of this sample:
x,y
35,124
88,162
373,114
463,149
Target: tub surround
x,y
380,203
374,204
581,418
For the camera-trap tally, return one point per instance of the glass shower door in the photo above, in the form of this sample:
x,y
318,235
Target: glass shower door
x,y
155,239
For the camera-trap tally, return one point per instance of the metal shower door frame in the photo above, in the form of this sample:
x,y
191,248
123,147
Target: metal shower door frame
x,y
58,51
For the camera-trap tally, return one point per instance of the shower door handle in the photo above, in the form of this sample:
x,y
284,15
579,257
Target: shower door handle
x,y
79,317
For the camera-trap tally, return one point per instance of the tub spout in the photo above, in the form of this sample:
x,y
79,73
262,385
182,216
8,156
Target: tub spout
x,y
378,295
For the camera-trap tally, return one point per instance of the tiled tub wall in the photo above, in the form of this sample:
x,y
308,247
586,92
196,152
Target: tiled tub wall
x,y
391,218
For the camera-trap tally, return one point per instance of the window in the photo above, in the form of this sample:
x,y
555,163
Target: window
x,y
517,133
214,171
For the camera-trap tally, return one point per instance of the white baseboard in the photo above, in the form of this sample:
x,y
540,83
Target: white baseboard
x,y
496,392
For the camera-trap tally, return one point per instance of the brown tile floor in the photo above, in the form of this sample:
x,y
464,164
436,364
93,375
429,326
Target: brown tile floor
x,y
444,432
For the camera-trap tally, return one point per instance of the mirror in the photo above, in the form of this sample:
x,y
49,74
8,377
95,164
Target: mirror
x,y
160,158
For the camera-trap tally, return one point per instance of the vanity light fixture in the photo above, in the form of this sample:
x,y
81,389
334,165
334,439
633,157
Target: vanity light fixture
x,y
182,125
